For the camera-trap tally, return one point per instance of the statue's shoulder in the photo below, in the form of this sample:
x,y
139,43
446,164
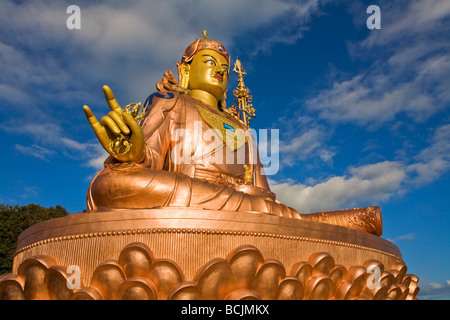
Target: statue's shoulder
x,y
160,104
158,97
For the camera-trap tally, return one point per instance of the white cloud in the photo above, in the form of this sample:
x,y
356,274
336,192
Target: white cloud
x,y
50,139
373,182
409,73
303,138
13,94
434,291
49,133
48,68
374,98
370,184
408,236
35,151
434,160
129,45
402,20
97,162
306,144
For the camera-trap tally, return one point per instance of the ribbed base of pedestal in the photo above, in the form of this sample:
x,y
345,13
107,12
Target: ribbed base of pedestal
x,y
183,253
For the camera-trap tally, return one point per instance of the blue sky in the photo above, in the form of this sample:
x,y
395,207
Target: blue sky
x,y
363,115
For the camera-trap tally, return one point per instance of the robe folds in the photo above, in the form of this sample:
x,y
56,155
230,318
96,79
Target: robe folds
x,y
187,163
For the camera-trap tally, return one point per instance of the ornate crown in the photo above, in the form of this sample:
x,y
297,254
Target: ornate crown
x,y
202,44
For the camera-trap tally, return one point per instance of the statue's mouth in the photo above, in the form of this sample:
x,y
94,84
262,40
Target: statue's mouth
x,y
219,77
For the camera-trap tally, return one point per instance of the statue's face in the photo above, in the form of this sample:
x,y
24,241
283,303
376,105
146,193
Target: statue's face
x,y
209,71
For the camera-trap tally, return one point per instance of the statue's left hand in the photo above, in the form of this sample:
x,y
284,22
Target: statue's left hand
x,y
118,125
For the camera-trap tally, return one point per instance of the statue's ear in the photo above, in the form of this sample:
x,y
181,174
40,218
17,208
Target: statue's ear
x,y
183,74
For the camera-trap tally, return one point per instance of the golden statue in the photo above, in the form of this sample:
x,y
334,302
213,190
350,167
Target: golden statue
x,y
150,171
183,210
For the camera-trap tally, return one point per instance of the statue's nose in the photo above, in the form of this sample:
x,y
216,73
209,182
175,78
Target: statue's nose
x,y
221,70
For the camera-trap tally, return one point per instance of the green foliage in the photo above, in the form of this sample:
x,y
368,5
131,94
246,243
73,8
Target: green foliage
x,y
14,220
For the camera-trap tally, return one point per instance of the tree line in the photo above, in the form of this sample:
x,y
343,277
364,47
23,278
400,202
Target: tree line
x,y
14,220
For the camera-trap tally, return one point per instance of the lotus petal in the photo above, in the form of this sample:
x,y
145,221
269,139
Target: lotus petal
x,y
243,294
291,289
89,293
302,270
107,278
359,275
33,271
395,293
56,280
322,262
137,289
337,274
165,274
381,293
185,291
346,291
135,259
244,262
214,279
319,287
267,279
399,270
387,279
11,288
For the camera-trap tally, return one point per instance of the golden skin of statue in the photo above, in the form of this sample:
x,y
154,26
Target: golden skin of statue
x,y
117,122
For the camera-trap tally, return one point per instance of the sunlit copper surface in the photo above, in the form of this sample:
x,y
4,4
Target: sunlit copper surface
x,y
185,253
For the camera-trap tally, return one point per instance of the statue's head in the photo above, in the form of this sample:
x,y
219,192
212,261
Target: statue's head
x,y
205,66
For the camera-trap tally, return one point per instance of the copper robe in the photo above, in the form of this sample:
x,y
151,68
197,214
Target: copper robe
x,y
193,181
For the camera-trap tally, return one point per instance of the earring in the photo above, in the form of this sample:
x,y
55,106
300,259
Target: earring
x,y
223,102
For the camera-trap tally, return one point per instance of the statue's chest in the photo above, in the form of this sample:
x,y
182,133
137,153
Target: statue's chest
x,y
226,130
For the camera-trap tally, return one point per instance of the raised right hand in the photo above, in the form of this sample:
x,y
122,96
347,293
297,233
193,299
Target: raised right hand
x,y
118,128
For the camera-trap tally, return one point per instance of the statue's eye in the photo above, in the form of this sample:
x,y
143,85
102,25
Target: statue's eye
x,y
210,63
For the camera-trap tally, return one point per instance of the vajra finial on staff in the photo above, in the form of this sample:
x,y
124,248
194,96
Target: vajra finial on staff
x,y
242,94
